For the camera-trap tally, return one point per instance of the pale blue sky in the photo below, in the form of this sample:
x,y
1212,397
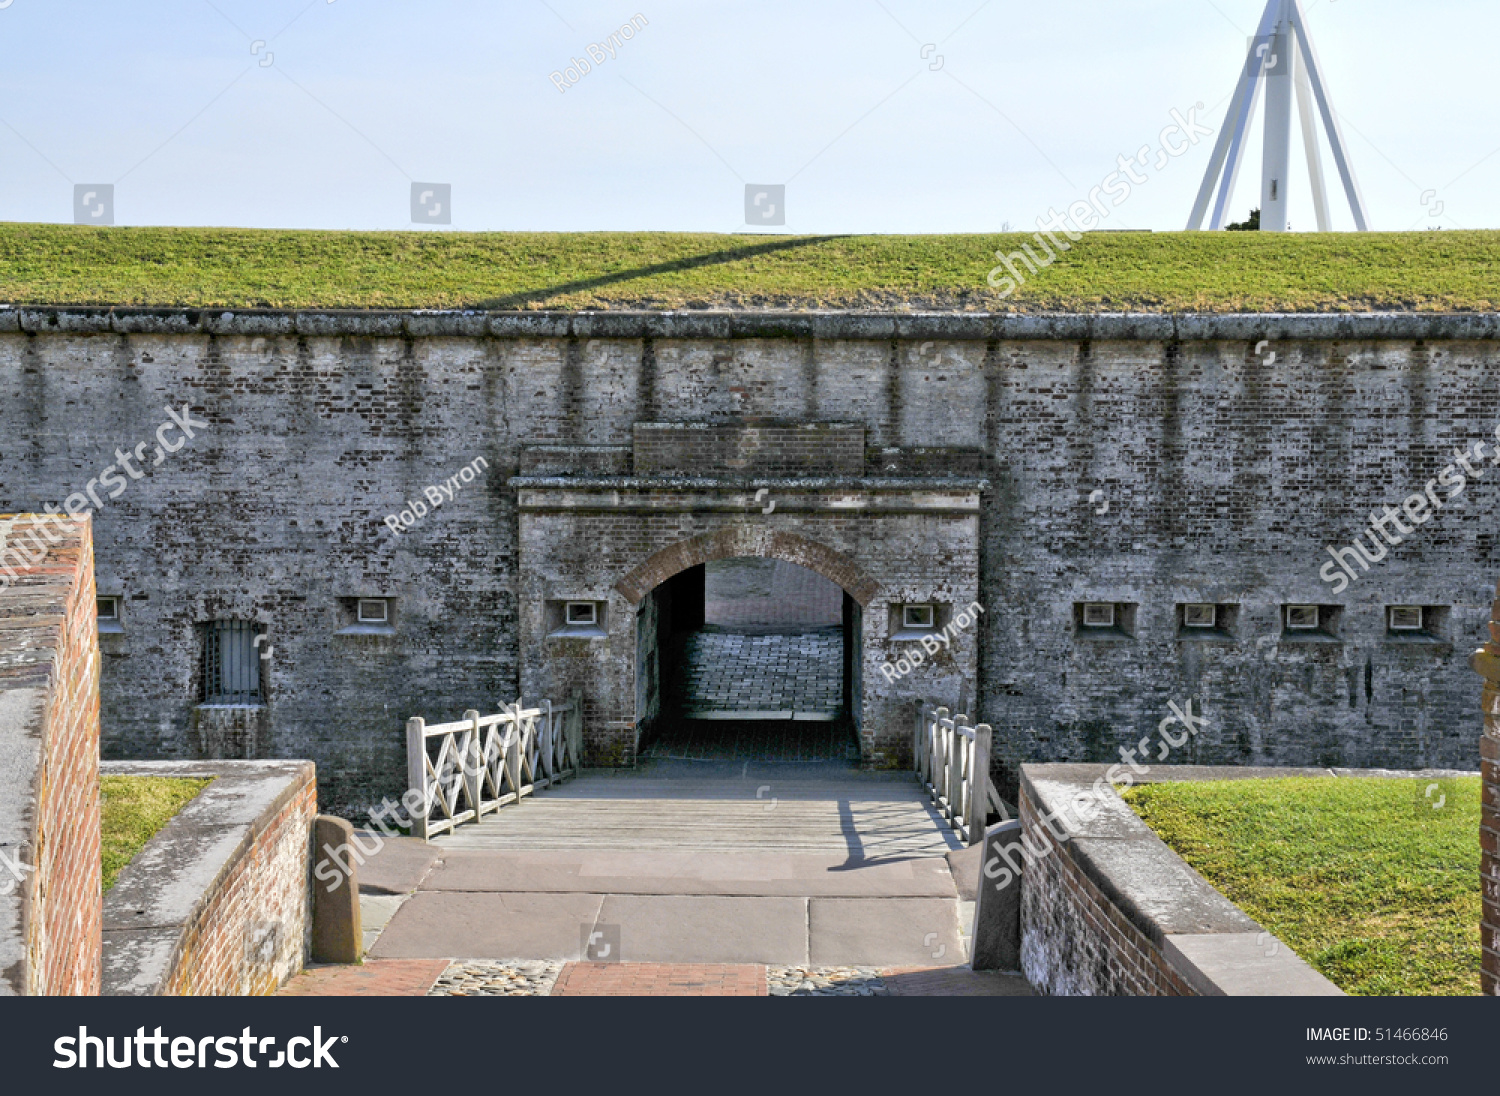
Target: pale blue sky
x,y
837,99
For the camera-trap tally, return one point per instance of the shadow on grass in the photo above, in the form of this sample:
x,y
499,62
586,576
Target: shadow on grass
x,y
717,258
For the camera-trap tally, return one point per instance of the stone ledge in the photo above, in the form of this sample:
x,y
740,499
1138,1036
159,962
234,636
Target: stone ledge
x,y
161,894
747,324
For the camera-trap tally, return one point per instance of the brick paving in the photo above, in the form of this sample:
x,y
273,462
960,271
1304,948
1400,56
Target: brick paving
x,y
661,980
373,978
557,978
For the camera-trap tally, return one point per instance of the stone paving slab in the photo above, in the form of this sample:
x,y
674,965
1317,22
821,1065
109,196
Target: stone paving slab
x,y
660,980
488,926
702,929
884,932
399,865
692,873
374,978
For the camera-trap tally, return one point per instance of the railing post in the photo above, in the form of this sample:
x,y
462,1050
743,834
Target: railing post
x,y
939,757
575,730
544,746
916,740
957,798
513,751
416,772
470,760
979,798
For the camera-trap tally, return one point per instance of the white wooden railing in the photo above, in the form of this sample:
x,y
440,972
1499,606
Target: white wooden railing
x,y
460,772
953,764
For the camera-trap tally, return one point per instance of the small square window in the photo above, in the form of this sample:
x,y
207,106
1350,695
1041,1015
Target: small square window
x,y
1200,616
582,612
1302,618
917,617
1098,615
1405,618
374,610
109,608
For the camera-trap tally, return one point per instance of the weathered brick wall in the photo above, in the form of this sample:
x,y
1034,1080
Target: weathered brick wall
x,y
1075,940
219,902
49,740
1225,476
808,448
1487,662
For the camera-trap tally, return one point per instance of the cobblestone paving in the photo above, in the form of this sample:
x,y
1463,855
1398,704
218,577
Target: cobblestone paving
x,y
825,982
758,673
498,978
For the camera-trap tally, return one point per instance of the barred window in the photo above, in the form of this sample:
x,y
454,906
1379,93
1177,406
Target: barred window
x,y
231,663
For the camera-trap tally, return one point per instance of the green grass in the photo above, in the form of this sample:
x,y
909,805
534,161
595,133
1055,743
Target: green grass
x,y
1170,272
1362,878
135,808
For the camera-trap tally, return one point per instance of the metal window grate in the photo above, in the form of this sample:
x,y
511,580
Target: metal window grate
x,y
1406,618
231,663
1098,615
1200,616
918,617
1302,618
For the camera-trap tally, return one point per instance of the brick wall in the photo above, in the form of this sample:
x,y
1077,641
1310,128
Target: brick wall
x,y
1487,662
49,739
1076,942
1222,476
218,902
801,449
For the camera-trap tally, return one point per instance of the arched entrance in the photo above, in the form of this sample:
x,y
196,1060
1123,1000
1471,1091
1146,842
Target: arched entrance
x,y
748,647
594,549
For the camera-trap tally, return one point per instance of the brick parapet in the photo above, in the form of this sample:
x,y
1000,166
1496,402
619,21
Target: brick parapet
x,y
1486,662
218,902
50,906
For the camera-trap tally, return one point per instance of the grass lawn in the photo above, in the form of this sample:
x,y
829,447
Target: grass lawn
x,y
135,808
1164,272
1362,878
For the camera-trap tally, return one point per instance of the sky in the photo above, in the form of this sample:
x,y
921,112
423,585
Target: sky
x,y
877,116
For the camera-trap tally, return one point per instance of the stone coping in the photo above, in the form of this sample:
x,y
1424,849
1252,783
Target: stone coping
x,y
813,482
751,324
160,894
1210,941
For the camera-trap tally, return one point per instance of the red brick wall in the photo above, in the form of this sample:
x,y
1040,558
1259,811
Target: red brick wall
x,y
49,640
1073,926
1487,662
251,932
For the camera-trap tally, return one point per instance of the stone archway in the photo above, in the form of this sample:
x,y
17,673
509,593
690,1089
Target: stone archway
x,y
747,540
767,692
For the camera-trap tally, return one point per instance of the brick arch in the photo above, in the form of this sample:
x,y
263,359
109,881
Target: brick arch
x,y
745,540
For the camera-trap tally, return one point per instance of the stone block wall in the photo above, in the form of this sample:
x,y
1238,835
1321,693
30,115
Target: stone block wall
x,y
219,902
49,758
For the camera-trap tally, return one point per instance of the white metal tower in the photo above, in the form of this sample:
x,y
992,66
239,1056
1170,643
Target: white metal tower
x,y
1282,57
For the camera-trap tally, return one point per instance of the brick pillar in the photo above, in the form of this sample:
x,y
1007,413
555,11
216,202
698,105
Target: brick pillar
x,y
1487,662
